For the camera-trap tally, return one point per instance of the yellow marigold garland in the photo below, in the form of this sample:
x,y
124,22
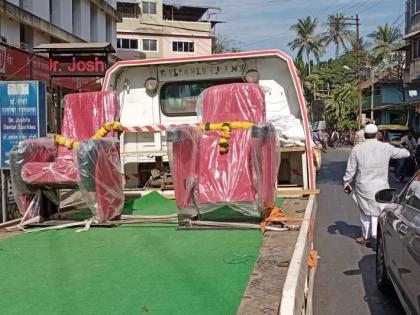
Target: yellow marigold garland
x,y
102,132
225,128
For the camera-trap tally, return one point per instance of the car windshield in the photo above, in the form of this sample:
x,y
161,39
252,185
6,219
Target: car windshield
x,y
396,135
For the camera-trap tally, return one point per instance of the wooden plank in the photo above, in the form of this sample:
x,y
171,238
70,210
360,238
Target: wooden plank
x,y
292,149
9,223
297,192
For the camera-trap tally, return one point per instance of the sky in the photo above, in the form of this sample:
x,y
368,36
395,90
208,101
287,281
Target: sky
x,y
264,24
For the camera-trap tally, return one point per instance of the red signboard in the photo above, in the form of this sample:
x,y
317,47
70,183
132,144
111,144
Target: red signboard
x,y
20,65
80,66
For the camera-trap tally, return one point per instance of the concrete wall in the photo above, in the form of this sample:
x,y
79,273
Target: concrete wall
x,y
15,2
94,24
111,32
112,3
98,27
39,38
81,19
39,8
10,29
202,46
60,14
101,31
154,18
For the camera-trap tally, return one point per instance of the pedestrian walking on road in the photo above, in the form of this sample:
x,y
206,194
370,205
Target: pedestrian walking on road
x,y
335,138
360,135
404,167
368,166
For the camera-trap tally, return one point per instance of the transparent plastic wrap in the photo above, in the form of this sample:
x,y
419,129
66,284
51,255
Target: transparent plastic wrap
x,y
183,152
84,114
41,165
232,159
27,196
100,177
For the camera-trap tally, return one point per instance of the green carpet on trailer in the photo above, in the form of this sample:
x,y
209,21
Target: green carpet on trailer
x,y
145,269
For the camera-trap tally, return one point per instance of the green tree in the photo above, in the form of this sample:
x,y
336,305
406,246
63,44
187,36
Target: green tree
x,y
307,41
342,107
223,44
337,33
386,39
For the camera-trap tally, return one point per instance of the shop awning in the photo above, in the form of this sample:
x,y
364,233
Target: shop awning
x,y
411,35
63,48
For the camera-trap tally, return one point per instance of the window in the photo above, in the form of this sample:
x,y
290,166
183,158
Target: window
x,y
414,6
180,98
127,43
416,48
149,7
149,44
129,10
183,46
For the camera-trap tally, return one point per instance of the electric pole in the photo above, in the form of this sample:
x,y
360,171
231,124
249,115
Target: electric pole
x,y
358,65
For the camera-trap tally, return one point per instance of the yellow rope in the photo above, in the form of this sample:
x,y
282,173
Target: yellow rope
x,y
102,132
225,128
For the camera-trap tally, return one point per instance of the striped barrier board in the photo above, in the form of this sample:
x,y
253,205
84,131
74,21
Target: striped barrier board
x,y
154,128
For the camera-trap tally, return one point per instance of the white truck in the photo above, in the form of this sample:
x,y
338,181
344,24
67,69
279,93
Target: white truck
x,y
157,94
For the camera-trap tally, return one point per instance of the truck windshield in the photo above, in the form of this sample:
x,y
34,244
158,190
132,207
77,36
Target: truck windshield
x,y
180,98
396,135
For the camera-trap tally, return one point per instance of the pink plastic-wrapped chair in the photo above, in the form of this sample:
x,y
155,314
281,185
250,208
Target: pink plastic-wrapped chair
x,y
40,166
243,178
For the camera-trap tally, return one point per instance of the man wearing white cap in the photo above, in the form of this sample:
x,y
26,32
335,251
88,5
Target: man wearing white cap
x,y
368,165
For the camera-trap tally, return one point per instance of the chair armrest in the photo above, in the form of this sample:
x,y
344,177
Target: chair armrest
x,y
265,163
30,150
100,177
87,155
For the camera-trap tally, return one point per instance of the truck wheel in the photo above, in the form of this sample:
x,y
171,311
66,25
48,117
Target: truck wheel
x,y
259,131
382,279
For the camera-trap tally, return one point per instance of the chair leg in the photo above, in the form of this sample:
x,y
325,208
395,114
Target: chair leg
x,y
47,208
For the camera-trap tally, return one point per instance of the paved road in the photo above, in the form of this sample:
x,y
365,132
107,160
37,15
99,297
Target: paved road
x,y
345,279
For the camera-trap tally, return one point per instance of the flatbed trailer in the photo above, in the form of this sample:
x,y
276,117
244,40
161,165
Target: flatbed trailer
x,y
282,278
280,288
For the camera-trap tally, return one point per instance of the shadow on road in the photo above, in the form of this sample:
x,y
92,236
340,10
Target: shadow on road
x,y
349,230
379,303
329,171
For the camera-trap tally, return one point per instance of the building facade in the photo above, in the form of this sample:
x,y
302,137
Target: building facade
x,y
412,69
412,37
152,29
25,24
28,23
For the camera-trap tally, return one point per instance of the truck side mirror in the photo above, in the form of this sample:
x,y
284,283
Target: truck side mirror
x,y
386,196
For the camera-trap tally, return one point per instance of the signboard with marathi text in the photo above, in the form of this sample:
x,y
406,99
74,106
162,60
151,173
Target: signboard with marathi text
x,y
77,66
23,115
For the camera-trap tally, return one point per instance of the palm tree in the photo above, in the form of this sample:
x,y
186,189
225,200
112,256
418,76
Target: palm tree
x,y
337,33
306,40
386,39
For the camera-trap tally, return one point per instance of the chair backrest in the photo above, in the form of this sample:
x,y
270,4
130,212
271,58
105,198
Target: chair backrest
x,y
227,178
233,102
85,113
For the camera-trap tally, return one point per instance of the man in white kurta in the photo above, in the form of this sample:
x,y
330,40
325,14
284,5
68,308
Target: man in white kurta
x,y
368,165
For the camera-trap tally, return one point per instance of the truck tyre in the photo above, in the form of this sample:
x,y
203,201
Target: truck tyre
x,y
173,135
382,278
259,132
